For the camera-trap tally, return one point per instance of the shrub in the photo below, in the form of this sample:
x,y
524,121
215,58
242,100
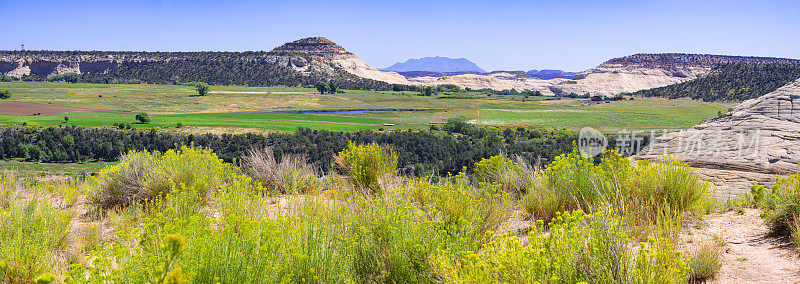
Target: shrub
x,y
515,176
578,248
292,175
781,207
570,182
366,166
705,262
4,94
142,118
652,196
202,88
143,176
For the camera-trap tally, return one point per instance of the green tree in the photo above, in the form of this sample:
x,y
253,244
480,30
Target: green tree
x,y
322,87
142,118
5,94
202,88
332,88
66,119
428,91
71,77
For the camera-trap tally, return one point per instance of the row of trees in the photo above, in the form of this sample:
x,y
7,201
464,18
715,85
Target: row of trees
x,y
420,152
731,82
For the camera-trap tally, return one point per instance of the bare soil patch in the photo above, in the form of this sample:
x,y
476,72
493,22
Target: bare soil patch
x,y
24,108
751,254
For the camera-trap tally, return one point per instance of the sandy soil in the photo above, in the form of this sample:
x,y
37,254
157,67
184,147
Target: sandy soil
x,y
750,255
23,108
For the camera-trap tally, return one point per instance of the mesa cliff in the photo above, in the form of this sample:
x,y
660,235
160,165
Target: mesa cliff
x,y
757,140
295,63
646,71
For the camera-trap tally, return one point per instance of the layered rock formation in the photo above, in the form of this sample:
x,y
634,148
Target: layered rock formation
x,y
757,140
316,55
324,51
647,71
494,80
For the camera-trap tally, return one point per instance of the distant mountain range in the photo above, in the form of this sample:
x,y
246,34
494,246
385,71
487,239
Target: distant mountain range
x,y
436,64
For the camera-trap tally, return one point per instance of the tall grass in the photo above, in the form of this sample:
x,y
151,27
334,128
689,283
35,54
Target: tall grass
x,y
292,175
33,232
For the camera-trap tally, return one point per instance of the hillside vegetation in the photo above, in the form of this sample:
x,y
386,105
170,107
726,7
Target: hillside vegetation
x,y
185,216
217,68
731,82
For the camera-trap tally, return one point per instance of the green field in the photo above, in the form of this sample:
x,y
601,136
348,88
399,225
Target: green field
x,y
41,169
232,108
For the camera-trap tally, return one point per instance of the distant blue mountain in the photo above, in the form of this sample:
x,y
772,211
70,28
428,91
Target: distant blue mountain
x,y
436,64
551,74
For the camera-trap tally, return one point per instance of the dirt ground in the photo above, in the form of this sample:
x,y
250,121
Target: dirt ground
x,y
23,108
750,255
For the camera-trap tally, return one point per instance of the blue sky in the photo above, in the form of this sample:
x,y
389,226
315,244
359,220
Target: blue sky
x,y
497,35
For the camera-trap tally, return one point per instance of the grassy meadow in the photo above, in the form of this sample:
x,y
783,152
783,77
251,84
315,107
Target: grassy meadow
x,y
227,107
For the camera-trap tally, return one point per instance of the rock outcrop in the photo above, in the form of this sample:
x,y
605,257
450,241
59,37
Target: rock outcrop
x,y
494,80
757,140
324,51
647,71
315,55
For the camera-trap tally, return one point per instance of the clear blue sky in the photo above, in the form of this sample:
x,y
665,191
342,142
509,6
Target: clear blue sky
x,y
497,35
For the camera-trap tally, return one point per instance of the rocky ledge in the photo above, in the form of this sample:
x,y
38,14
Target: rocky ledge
x,y
756,141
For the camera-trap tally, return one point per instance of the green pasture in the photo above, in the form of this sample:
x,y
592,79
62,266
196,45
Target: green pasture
x,y
239,107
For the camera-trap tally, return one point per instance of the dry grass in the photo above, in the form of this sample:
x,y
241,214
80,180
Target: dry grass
x,y
293,174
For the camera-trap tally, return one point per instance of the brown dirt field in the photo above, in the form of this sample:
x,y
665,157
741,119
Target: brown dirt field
x,y
23,108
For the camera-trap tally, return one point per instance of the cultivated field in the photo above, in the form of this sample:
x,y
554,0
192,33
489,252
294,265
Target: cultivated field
x,y
226,107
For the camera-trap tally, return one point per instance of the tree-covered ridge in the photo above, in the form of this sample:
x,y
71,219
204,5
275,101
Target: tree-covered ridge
x,y
656,60
731,82
251,68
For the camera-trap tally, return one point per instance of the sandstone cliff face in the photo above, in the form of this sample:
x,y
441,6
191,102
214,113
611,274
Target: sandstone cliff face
x,y
496,81
323,51
647,71
757,140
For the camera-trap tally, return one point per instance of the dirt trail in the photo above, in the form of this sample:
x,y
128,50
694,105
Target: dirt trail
x,y
751,255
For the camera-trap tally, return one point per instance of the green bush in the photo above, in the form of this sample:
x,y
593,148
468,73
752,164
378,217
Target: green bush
x,y
514,176
653,196
143,176
367,166
142,118
781,208
579,248
4,94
